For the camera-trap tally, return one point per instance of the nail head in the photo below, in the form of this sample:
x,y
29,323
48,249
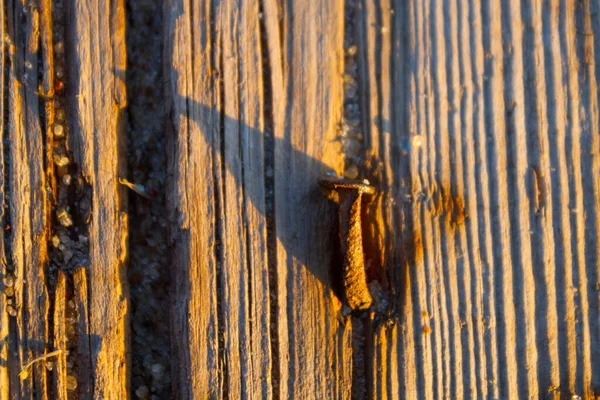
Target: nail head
x,y
336,183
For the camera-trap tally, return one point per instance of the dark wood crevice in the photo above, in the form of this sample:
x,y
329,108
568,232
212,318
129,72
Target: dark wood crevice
x,y
269,190
220,200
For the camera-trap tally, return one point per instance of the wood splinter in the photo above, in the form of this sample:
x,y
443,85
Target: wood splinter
x,y
350,194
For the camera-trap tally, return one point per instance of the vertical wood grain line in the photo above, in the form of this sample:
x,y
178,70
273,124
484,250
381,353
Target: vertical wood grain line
x,y
484,233
590,170
499,222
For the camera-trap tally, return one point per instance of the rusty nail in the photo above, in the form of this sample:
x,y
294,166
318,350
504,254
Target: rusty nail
x,y
350,232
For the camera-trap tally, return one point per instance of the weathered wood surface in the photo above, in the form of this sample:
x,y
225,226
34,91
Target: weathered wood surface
x,y
27,202
220,272
34,318
490,111
479,124
60,338
96,57
482,118
245,333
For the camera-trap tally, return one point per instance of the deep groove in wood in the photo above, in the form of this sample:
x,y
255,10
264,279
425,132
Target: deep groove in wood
x,y
7,325
46,106
247,256
149,264
220,201
66,196
269,189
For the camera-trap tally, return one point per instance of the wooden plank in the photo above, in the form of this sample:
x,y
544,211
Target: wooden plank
x,y
96,101
486,117
221,295
314,347
221,110
192,125
244,272
28,202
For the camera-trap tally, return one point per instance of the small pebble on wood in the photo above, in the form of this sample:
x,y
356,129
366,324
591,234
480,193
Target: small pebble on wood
x,y
59,48
351,172
71,383
59,131
142,392
60,72
9,281
61,161
64,218
60,114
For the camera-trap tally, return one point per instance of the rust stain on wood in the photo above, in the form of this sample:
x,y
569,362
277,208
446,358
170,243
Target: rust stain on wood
x,y
449,204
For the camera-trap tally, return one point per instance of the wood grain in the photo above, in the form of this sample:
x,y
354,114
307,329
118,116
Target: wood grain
x,y
85,378
490,114
28,202
480,131
476,118
221,111
97,99
315,348
4,316
60,338
192,192
218,237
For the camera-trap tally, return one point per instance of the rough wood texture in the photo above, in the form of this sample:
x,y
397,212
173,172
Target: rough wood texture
x,y
488,113
85,379
480,125
28,203
221,113
482,119
60,338
314,343
4,317
191,197
310,350
97,98
220,272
